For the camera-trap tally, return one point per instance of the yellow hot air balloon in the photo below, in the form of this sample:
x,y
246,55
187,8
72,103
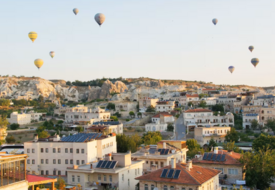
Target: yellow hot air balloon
x,y
32,36
38,63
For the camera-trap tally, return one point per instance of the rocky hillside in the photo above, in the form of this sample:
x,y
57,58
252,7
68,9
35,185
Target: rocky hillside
x,y
26,87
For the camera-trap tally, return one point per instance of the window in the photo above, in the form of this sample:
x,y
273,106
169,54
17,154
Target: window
x,y
82,161
82,151
54,161
135,171
72,178
146,187
33,150
161,164
66,161
47,161
128,182
78,178
122,177
54,172
59,172
219,169
172,188
28,161
71,150
59,150
77,162
42,150
165,187
46,150
183,188
99,177
42,172
66,150
54,151
146,162
77,151
152,187
233,171
33,161
110,178
59,161
47,172
42,161
28,150
71,161
104,178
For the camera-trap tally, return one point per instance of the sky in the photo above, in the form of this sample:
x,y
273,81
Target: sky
x,y
161,39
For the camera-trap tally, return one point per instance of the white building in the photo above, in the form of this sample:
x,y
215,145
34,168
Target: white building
x,y
53,155
125,106
24,118
156,127
159,122
116,171
210,101
107,127
160,155
78,116
64,110
203,117
165,106
248,118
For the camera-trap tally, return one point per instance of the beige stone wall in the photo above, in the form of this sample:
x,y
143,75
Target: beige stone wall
x,y
21,185
230,178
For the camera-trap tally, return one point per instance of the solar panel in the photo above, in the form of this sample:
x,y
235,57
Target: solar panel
x,y
170,173
209,156
108,164
104,164
166,151
164,172
223,158
177,174
205,156
162,151
99,164
214,157
159,150
113,164
218,158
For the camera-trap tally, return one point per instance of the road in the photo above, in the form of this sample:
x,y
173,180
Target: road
x,y
180,128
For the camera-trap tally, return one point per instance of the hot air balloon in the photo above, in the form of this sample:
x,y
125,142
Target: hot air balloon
x,y
231,69
38,63
32,36
215,21
99,18
255,61
52,53
75,10
251,48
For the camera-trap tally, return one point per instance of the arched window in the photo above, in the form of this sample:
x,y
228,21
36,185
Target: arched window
x,y
165,187
152,187
146,187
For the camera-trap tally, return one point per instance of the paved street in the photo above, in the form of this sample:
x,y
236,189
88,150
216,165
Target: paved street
x,y
180,128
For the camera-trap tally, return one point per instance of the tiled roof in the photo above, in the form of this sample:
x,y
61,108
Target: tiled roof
x,y
192,95
197,110
196,176
231,158
165,114
34,179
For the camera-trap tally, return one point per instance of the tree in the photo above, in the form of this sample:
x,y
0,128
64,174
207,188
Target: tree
x,y
79,128
111,106
3,122
259,167
40,99
125,143
132,114
270,124
212,144
150,109
139,114
60,184
151,138
230,146
170,127
203,95
114,118
254,124
232,135
43,134
190,104
218,107
117,114
202,104
10,139
14,126
4,102
263,141
194,148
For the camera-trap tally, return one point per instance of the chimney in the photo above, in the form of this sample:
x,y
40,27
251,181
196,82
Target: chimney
x,y
189,165
91,166
109,158
173,163
35,138
216,150
164,145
